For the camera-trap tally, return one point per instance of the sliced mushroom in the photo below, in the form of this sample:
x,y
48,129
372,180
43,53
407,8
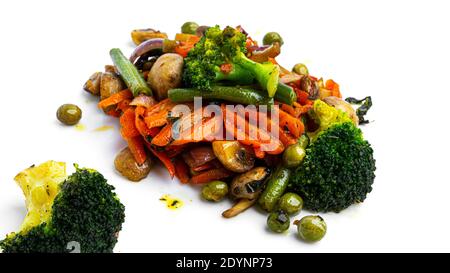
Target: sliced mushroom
x,y
249,184
92,85
166,73
238,208
233,155
110,83
140,35
343,106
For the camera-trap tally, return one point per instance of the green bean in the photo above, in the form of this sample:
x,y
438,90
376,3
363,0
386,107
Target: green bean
x,y
130,75
228,93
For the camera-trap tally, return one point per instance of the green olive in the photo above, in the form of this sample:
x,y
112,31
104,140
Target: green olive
x,y
293,155
300,69
271,38
311,228
278,221
215,191
291,203
69,114
189,27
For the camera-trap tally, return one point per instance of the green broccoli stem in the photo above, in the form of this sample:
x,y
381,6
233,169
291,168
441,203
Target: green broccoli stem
x,y
129,73
267,74
237,75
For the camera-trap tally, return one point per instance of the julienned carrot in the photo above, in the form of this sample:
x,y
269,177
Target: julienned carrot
x,y
174,151
136,146
113,113
334,87
181,171
251,134
283,136
210,175
157,115
259,153
165,160
164,137
147,133
115,98
295,125
128,125
204,130
123,105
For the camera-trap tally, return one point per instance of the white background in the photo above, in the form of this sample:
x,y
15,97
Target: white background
x,y
395,51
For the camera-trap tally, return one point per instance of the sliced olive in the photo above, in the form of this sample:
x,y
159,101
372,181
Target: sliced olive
x,y
310,86
249,184
233,155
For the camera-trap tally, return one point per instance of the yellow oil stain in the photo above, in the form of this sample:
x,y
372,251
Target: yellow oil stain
x,y
103,128
80,127
172,203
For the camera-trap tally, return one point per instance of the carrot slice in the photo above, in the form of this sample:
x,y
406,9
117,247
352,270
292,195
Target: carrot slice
x,y
165,160
123,105
210,175
128,126
141,126
136,146
181,171
164,137
115,98
258,152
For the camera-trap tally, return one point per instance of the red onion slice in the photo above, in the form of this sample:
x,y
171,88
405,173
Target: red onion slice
x,y
147,46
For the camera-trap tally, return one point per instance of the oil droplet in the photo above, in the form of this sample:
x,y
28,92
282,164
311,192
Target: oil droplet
x,y
80,127
103,128
172,203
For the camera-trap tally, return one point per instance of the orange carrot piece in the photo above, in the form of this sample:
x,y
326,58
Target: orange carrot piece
x,y
173,151
334,87
258,153
295,125
123,105
210,175
181,171
115,98
128,126
136,146
113,113
164,137
165,160
141,126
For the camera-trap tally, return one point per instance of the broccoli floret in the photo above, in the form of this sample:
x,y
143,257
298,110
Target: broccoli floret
x,y
219,49
339,167
81,210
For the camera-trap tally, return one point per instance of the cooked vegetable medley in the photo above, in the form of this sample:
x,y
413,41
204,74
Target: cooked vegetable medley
x,y
218,110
